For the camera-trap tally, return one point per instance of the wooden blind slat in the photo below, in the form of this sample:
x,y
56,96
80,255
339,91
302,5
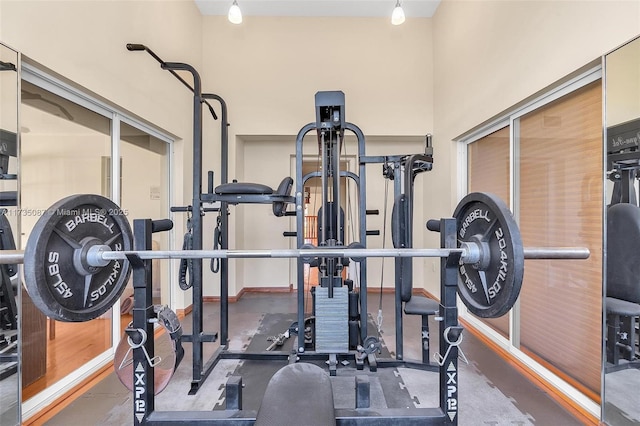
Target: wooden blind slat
x,y
560,204
560,198
488,165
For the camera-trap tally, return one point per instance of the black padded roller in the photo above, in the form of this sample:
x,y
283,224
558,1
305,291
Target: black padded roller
x,y
433,225
283,189
161,225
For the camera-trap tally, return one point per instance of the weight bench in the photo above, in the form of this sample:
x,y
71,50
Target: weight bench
x,y
423,306
8,306
8,198
298,394
623,284
413,304
621,330
243,192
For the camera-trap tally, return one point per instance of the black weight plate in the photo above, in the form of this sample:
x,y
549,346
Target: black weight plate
x,y
56,283
490,291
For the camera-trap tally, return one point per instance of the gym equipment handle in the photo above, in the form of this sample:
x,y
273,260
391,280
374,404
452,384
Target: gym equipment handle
x,y
433,225
161,225
132,47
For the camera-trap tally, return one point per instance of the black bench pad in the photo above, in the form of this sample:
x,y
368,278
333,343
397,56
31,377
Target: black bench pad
x,y
243,188
298,394
284,188
8,198
623,268
420,305
622,307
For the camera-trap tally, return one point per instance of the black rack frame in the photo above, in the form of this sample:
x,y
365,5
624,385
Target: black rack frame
x,y
144,412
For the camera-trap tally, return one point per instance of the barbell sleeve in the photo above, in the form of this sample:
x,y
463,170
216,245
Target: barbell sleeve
x,y
556,253
10,257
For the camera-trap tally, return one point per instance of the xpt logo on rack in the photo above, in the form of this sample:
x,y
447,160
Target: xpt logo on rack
x,y
452,391
140,389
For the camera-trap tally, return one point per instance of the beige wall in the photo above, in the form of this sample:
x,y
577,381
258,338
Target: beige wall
x,y
269,70
84,41
623,84
490,55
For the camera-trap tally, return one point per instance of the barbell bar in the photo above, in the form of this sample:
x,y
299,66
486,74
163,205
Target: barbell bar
x,y
466,253
102,255
77,257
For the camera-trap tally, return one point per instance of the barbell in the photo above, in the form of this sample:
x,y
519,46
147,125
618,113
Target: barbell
x,y
101,255
77,257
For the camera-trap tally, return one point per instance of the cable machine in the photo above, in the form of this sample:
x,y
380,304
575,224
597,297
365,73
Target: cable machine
x,y
473,253
479,246
336,305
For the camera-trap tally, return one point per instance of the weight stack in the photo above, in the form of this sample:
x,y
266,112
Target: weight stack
x,y
332,320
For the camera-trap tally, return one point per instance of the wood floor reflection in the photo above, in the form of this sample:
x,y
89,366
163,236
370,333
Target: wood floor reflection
x,y
72,345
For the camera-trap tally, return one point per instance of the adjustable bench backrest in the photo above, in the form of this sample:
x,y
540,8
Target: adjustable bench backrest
x,y
623,251
400,235
284,189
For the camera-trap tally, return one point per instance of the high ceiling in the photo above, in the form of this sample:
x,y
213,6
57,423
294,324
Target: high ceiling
x,y
365,8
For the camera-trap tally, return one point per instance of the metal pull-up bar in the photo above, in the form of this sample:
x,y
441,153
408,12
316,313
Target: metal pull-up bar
x,y
133,47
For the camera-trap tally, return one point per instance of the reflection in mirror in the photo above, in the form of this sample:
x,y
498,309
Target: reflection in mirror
x,y
145,192
9,279
622,282
61,152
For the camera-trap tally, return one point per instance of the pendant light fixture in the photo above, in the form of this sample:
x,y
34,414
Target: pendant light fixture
x,y
397,17
235,15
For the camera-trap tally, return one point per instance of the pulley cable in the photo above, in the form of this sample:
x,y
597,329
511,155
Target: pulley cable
x,y
217,243
350,216
384,236
312,232
186,265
